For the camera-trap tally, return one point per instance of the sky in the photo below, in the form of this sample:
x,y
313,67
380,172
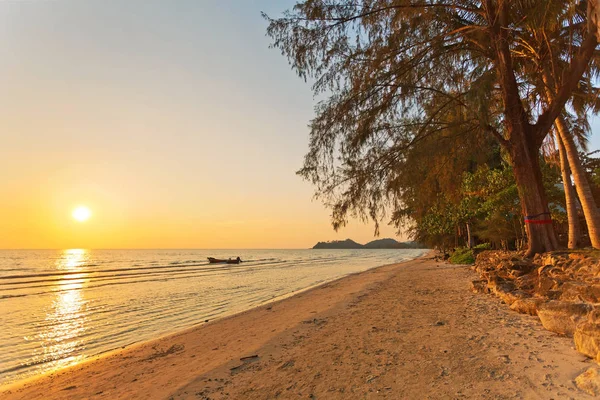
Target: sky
x,y
172,121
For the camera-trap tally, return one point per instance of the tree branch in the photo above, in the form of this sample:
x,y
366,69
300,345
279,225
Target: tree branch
x,y
570,80
505,143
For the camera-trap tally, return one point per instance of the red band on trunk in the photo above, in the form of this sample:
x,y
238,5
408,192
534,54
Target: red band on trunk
x,y
541,221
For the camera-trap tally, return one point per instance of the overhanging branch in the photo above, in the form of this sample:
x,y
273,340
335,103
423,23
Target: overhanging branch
x,y
570,80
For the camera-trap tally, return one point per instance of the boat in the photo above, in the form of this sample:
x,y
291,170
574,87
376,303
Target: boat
x,y
213,260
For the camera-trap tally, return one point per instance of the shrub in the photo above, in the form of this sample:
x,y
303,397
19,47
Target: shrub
x,y
462,255
483,246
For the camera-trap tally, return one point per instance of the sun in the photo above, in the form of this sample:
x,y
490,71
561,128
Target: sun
x,y
81,213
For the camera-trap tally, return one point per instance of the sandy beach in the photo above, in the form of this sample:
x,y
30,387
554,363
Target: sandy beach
x,y
409,330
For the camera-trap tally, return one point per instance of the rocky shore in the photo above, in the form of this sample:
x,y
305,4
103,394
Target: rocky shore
x,y
561,288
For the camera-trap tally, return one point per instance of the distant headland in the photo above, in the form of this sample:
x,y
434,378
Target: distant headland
x,y
375,244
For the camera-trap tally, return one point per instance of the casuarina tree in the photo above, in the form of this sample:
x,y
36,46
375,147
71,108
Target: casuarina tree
x,y
395,72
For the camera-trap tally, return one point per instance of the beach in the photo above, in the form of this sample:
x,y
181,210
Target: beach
x,y
61,307
408,330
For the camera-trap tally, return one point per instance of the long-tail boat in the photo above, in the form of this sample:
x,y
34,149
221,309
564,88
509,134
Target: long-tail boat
x,y
213,260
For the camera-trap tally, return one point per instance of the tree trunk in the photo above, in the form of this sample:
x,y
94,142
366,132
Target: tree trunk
x,y
593,16
469,236
570,197
528,175
588,204
456,234
523,142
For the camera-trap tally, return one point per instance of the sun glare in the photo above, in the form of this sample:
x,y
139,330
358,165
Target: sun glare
x,y
82,213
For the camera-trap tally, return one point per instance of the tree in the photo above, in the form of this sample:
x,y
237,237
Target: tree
x,y
570,197
591,167
493,197
545,48
398,72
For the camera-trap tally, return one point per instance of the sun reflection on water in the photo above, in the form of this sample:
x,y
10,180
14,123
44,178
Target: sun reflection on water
x,y
65,321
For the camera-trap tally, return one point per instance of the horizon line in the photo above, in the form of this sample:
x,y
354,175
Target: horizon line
x,y
159,248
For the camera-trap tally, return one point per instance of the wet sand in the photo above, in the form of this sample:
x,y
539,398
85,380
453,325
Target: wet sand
x,y
405,331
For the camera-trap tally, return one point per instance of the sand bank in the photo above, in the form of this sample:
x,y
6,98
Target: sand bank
x,y
410,330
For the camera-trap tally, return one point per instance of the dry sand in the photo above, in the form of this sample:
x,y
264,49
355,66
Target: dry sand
x,y
407,331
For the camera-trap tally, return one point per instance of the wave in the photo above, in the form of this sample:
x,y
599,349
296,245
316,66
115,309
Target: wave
x,y
119,297
10,296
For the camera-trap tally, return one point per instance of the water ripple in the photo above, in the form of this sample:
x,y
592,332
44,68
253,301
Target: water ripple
x,y
61,307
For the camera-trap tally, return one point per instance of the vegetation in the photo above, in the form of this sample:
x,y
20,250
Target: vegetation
x,y
462,255
437,114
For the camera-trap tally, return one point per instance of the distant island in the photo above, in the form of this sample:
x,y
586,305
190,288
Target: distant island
x,y
375,244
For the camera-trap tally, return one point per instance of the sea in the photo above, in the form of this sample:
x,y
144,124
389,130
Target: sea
x,y
59,307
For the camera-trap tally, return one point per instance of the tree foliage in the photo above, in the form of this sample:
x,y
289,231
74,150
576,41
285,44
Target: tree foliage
x,y
415,90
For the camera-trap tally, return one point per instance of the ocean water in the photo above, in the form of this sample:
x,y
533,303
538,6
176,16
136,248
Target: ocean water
x,y
59,307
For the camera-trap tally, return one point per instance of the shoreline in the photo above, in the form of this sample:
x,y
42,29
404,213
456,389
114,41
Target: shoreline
x,y
266,350
194,322
134,345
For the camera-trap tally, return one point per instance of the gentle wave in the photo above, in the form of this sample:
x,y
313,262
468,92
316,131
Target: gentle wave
x,y
61,307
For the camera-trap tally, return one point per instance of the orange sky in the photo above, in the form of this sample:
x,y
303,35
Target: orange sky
x,y
173,122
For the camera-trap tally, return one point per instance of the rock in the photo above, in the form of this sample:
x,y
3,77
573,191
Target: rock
x,y
559,274
549,270
526,282
545,284
493,281
553,294
491,277
594,315
584,270
587,335
508,294
548,259
527,305
562,317
587,339
514,274
494,284
523,266
479,286
589,381
595,290
577,291
577,256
